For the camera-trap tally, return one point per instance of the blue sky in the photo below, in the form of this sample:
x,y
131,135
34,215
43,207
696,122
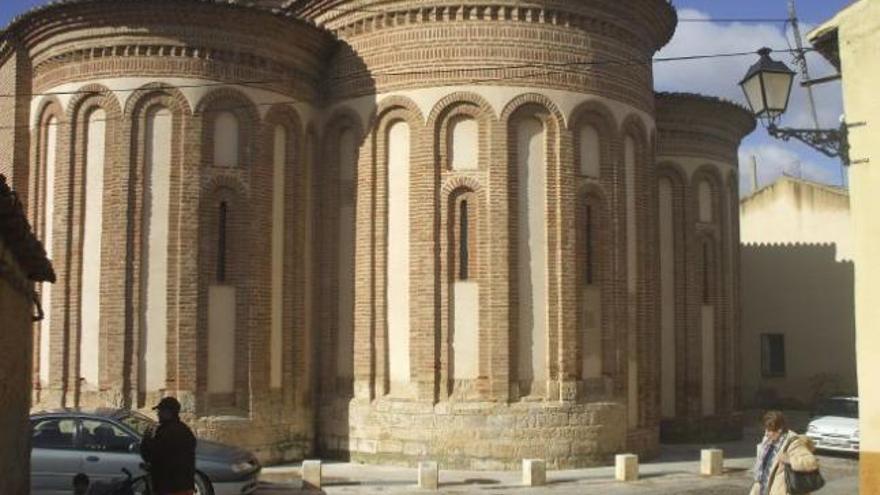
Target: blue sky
x,y
718,77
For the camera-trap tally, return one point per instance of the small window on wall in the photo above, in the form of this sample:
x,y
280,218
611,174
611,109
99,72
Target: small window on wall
x,y
463,240
706,273
221,242
589,248
462,235
773,355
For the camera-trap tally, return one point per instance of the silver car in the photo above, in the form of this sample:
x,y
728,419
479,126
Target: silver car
x,y
100,443
835,425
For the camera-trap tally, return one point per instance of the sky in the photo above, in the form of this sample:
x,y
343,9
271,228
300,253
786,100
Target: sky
x,y
719,77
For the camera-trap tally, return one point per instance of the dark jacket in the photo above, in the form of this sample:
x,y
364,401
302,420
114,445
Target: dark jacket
x,y
171,453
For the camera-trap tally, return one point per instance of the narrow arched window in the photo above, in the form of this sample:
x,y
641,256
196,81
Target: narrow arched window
x,y
463,239
589,248
706,272
221,242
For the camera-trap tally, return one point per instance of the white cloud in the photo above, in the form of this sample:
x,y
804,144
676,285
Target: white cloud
x,y
775,160
720,76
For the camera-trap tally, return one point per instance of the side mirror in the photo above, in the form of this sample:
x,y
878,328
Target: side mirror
x,y
134,447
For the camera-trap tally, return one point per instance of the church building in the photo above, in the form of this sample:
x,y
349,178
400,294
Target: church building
x,y
380,230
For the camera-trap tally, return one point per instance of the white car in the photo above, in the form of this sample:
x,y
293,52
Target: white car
x,y
835,425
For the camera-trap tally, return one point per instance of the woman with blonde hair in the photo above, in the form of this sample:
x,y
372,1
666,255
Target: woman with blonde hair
x,y
780,447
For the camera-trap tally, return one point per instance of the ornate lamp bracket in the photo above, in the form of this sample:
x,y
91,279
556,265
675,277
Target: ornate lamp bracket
x,y
829,142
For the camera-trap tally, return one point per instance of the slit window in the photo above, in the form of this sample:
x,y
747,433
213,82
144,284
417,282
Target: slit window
x,y
706,279
463,240
589,248
221,242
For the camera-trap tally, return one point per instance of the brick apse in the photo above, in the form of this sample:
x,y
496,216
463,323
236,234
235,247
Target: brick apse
x,y
380,230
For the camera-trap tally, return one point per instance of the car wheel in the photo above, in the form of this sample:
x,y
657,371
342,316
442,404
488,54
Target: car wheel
x,y
202,485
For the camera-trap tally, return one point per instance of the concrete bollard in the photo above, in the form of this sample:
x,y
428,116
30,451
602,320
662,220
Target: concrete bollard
x,y
311,475
534,472
711,462
626,467
429,476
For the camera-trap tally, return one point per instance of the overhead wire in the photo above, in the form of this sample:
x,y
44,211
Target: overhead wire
x,y
355,75
546,67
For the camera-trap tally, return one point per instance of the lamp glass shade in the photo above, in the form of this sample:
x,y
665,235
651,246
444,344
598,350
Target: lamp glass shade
x,y
777,90
767,87
754,94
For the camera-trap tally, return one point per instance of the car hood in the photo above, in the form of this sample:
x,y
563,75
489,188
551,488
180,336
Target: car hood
x,y
835,424
215,451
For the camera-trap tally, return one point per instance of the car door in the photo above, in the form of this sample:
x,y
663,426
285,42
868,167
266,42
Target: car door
x,y
106,449
54,459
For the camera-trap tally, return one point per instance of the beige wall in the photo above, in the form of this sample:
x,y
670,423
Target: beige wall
x,y
793,210
156,208
221,339
858,33
802,292
398,257
91,260
48,218
279,162
531,167
797,280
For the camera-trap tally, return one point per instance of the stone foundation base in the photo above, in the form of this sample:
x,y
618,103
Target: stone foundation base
x,y
645,442
274,432
702,430
476,435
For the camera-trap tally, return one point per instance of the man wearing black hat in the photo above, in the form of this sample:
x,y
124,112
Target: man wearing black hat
x,y
171,451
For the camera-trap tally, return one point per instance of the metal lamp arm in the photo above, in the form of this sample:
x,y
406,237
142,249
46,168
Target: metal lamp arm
x,y
829,142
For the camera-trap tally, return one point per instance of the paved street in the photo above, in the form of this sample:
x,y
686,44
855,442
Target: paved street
x,y
675,472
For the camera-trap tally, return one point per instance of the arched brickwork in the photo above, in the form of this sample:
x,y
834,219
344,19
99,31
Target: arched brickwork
x,y
391,111
538,107
90,98
223,262
223,100
292,251
681,219
642,337
49,113
460,105
140,107
593,274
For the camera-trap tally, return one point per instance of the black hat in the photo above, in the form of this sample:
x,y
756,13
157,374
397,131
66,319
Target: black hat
x,y
168,403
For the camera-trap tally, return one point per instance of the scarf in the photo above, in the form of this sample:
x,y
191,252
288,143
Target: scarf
x,y
765,461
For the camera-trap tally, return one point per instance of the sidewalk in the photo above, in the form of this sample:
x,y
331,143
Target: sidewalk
x,y
676,471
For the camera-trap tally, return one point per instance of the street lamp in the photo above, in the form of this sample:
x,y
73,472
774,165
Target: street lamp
x,y
767,87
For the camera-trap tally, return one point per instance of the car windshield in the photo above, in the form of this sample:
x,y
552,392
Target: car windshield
x,y
839,407
138,422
